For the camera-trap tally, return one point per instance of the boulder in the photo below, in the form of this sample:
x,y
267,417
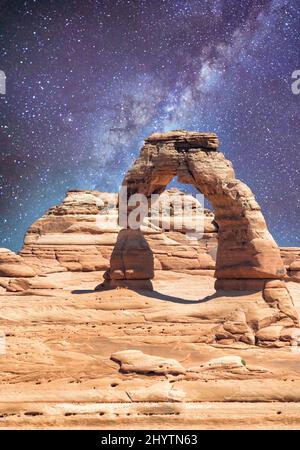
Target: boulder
x,y
271,333
139,362
24,284
13,265
236,328
280,297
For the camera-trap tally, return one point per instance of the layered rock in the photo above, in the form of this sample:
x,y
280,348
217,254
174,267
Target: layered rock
x,y
294,270
67,236
13,265
291,259
80,234
276,294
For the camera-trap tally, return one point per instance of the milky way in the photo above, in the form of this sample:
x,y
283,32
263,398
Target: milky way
x,y
87,80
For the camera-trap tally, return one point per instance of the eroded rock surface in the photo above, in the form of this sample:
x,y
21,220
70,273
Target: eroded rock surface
x,y
139,362
13,265
57,370
80,234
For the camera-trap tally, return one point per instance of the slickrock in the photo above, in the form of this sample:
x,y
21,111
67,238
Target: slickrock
x,y
294,270
235,329
277,295
291,260
77,235
57,370
158,392
271,333
223,363
12,265
24,284
139,362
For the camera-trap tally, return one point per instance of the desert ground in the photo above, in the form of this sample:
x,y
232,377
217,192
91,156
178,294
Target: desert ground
x,y
58,370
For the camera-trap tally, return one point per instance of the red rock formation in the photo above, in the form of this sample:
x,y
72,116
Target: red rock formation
x,y
246,249
80,234
12,265
294,270
68,237
291,259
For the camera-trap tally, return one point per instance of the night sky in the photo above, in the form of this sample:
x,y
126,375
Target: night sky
x,y
87,80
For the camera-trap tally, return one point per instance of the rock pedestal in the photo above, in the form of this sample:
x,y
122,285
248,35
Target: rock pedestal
x,y
132,262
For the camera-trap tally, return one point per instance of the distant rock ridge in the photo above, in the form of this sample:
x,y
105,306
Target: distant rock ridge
x,y
80,233
67,238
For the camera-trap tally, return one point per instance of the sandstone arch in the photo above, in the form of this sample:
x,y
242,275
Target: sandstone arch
x,y
247,254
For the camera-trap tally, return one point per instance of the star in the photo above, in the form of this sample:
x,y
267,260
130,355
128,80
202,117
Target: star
x,y
87,81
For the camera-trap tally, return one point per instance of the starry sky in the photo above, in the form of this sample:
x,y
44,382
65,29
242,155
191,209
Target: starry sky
x,y
87,80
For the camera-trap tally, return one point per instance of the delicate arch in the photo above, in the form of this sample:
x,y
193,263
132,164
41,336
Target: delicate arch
x,y
246,249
